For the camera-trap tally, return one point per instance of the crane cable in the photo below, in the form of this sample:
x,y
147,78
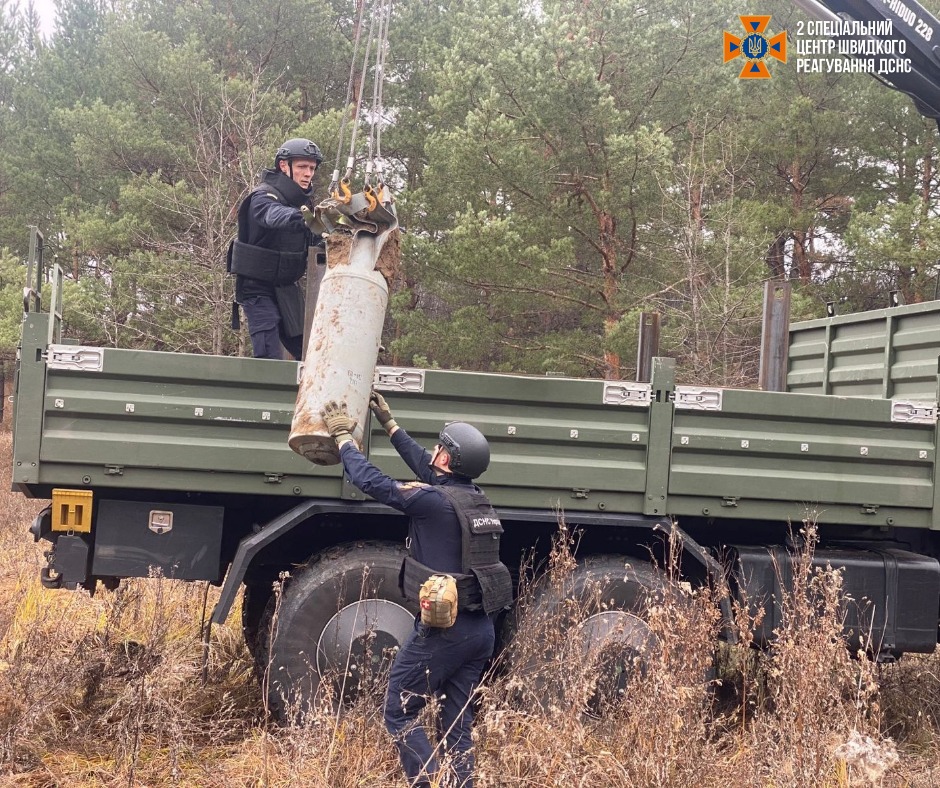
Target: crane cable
x,y
375,129
334,183
378,37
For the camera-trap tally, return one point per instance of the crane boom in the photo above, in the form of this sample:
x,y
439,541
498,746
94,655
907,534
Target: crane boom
x,y
894,21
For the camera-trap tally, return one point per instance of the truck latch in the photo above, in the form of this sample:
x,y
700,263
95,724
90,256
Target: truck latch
x,y
580,492
914,412
399,379
869,508
74,357
730,500
695,398
273,478
621,393
113,470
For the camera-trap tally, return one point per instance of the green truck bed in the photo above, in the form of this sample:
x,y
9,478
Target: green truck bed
x,y
126,420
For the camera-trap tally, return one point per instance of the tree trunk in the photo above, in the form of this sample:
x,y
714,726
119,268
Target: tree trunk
x,y
607,235
802,263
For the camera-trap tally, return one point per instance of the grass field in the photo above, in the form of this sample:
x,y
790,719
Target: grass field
x,y
111,690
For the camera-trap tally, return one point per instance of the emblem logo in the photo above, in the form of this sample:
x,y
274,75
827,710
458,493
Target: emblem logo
x,y
755,47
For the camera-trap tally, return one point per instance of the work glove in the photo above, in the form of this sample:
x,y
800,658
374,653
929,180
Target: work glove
x,y
381,411
338,422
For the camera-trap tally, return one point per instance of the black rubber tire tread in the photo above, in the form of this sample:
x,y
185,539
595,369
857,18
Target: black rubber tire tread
x,y
328,581
607,576
619,582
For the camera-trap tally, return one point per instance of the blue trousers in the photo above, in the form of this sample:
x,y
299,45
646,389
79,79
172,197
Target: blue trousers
x,y
264,327
446,664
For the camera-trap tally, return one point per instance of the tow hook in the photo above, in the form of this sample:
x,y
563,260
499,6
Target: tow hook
x,y
49,580
47,575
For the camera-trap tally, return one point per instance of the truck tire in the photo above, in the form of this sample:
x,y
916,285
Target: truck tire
x,y
331,636
597,611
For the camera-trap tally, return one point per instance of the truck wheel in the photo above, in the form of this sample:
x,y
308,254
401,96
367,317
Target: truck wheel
x,y
595,617
339,624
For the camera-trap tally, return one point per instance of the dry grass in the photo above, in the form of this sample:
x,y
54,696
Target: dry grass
x,y
111,691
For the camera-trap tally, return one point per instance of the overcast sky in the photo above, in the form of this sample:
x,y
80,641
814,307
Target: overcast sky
x,y
46,11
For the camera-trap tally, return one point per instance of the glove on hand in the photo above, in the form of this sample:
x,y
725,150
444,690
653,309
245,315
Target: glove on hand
x,y
381,411
338,422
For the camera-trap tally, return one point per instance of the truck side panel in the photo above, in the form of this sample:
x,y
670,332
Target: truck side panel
x,y
142,420
138,420
767,453
883,353
162,421
553,441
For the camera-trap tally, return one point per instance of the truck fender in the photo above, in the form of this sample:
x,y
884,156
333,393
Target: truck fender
x,y
250,546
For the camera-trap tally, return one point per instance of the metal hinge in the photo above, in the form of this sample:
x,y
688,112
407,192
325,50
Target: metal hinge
x,y
621,393
695,398
273,478
113,470
399,379
83,359
580,492
914,412
869,508
730,500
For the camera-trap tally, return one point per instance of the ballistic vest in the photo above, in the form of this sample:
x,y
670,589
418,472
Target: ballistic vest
x,y
281,264
484,583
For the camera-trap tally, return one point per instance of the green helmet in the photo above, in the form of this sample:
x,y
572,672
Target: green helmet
x,y
468,449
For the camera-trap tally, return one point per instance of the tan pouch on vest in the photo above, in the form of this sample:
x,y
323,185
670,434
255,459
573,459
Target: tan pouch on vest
x,y
438,601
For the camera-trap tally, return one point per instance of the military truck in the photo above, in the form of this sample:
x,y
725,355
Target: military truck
x,y
178,464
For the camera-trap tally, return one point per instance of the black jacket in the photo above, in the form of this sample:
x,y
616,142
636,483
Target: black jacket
x,y
270,221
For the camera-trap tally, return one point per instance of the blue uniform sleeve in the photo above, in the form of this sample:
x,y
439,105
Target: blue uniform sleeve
x,y
267,212
402,496
434,528
414,454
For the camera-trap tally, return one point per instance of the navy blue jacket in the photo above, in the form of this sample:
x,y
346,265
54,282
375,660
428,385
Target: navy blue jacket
x,y
434,529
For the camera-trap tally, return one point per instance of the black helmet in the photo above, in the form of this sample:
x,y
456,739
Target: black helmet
x,y
298,148
468,449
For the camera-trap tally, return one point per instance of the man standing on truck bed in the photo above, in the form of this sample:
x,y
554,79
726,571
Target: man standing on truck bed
x,y
269,255
453,532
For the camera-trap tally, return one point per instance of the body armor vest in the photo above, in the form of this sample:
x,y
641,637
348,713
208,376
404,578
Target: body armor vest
x,y
276,266
484,583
